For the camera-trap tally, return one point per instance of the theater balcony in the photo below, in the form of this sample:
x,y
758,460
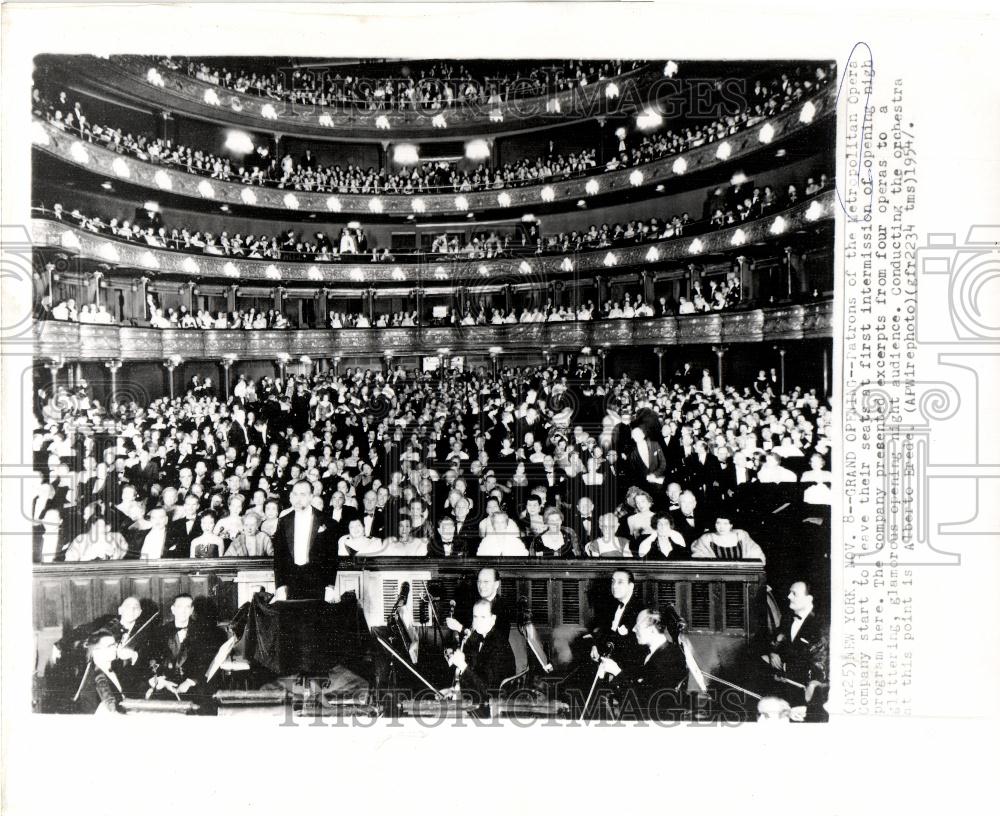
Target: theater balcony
x,y
69,342
87,250
798,124
150,82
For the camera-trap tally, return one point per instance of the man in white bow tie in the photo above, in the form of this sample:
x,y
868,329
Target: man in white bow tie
x,y
305,553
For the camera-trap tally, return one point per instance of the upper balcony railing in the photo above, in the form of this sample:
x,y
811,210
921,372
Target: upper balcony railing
x,y
430,268
72,341
102,161
147,79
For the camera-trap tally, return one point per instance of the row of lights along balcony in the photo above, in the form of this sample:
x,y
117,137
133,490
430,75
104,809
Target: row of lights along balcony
x,y
107,251
211,97
418,205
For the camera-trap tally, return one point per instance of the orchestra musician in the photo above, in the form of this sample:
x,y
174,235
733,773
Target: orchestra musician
x,y
184,653
486,659
101,690
505,611
799,655
616,635
134,641
644,689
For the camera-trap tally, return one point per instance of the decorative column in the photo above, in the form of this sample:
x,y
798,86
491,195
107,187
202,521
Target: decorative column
x,y
112,367
231,297
336,366
506,297
648,291
226,362
602,292
281,362
781,369
788,271
495,352
191,288
95,298
279,297
321,307
690,280
370,298
140,290
170,365
444,355
602,353
462,292
53,366
659,363
387,359
719,353
419,294
747,289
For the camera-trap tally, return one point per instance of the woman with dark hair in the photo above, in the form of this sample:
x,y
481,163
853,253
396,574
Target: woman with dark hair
x,y
726,542
665,543
100,691
555,541
96,541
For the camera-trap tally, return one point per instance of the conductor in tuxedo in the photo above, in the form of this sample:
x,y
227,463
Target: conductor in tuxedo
x,y
305,551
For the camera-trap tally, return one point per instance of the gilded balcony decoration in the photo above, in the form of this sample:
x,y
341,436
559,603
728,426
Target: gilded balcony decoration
x,y
166,263
127,74
155,177
71,341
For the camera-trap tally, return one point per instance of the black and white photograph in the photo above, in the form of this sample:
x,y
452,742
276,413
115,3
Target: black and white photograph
x,y
470,387
509,407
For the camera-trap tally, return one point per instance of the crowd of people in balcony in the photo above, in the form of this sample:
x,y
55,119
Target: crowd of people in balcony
x,y
724,207
440,85
539,461
306,173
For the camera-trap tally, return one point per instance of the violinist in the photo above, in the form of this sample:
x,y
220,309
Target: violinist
x,y
101,690
486,659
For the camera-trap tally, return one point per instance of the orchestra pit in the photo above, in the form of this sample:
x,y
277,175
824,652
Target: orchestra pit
x,y
432,388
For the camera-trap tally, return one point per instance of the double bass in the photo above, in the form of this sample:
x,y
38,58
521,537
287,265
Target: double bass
x,y
401,635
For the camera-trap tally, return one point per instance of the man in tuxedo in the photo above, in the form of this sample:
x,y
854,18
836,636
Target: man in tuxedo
x,y
646,461
305,552
238,436
800,653
183,531
186,649
584,523
466,528
688,520
487,658
643,690
371,518
155,541
614,634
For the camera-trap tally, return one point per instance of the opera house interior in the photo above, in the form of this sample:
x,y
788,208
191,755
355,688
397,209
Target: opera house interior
x,y
432,387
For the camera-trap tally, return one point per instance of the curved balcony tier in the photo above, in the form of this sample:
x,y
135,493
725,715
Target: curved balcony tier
x,y
70,341
163,178
430,269
127,74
